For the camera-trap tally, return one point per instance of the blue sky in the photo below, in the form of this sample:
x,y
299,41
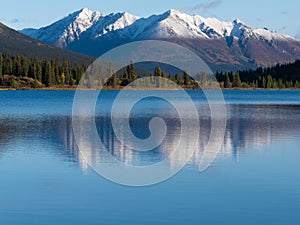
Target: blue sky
x,y
283,16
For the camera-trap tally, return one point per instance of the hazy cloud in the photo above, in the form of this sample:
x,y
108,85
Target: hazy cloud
x,y
205,7
284,13
15,20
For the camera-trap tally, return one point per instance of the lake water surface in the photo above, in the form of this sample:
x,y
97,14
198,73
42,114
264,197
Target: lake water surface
x,y
254,180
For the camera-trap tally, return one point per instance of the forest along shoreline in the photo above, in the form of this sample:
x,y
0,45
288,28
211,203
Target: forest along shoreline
x,y
21,73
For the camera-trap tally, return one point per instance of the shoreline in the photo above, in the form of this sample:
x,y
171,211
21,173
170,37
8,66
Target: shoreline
x,y
139,89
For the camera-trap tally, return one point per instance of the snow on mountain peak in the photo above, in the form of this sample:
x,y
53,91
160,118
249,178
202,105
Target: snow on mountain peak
x,y
170,24
110,23
127,19
216,28
271,35
75,24
240,30
172,12
86,10
87,15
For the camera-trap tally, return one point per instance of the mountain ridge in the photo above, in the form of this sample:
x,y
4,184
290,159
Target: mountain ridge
x,y
91,32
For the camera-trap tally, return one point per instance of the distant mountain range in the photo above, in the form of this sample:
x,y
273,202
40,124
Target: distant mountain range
x,y
223,45
15,44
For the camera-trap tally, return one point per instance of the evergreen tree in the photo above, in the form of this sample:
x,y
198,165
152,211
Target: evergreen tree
x,y
62,79
175,77
227,83
53,77
16,70
24,66
237,81
131,73
289,84
32,69
114,80
186,78
264,82
269,82
47,73
80,71
43,72
280,84
57,71
7,65
39,71
157,72
275,84
66,71
13,82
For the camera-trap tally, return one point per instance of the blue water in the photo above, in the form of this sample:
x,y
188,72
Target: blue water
x,y
254,180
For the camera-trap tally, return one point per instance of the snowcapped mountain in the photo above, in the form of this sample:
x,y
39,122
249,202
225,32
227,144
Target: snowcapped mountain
x,y
223,44
83,22
66,30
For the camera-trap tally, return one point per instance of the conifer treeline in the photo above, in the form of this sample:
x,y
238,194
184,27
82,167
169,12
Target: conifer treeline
x,y
129,74
48,72
59,72
277,77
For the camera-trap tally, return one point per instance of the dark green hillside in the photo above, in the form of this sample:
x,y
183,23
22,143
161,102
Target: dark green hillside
x,y
15,44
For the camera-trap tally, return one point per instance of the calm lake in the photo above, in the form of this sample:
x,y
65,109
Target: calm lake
x,y
254,180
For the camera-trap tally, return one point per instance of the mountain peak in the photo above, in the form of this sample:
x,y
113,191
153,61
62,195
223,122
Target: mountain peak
x,y
173,11
84,27
171,23
238,21
85,10
87,14
128,15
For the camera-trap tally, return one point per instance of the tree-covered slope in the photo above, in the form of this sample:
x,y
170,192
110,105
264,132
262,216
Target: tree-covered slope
x,y
15,43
